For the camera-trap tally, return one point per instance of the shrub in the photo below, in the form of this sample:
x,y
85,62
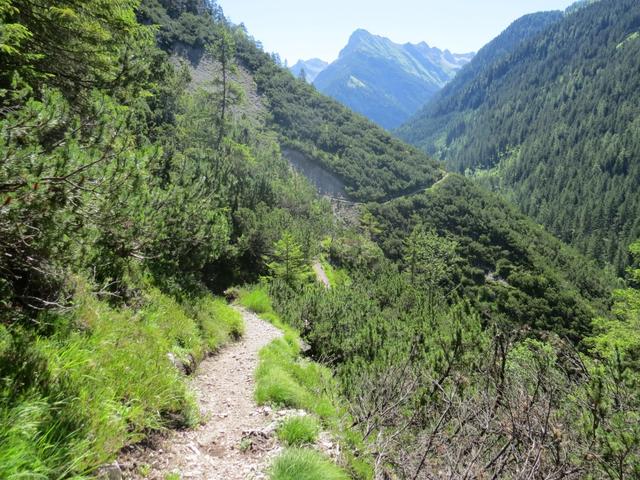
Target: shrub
x,y
305,464
298,431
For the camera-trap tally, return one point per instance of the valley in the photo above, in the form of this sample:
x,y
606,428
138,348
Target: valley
x,y
211,269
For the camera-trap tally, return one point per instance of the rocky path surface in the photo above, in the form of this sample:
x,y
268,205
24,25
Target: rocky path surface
x,y
231,444
321,275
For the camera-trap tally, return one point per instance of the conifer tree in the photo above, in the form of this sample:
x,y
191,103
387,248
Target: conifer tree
x,y
428,258
287,260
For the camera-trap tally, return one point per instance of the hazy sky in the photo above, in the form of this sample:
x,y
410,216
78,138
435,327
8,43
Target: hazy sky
x,y
320,28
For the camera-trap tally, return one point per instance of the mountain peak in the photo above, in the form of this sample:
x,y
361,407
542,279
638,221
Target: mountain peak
x,y
358,38
360,34
399,78
311,68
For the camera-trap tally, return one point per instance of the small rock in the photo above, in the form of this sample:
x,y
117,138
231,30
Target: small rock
x,y
110,472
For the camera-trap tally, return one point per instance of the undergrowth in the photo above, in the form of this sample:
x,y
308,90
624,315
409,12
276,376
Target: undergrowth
x,y
285,379
72,399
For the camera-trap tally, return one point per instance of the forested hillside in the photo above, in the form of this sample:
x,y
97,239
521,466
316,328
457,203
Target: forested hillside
x,y
125,196
553,124
457,338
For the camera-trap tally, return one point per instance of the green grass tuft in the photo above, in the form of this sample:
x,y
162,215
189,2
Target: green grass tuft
x,y
298,431
284,378
218,321
305,464
256,299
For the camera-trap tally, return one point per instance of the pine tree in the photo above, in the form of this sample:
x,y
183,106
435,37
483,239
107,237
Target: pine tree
x,y
287,260
428,258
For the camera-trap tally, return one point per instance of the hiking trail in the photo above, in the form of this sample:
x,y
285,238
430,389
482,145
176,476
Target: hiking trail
x,y
235,440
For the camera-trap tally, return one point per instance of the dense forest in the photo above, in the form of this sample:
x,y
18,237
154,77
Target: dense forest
x,y
464,340
553,124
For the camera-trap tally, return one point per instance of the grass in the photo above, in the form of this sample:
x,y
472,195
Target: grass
x,y
305,464
219,322
336,276
284,379
70,401
256,299
299,430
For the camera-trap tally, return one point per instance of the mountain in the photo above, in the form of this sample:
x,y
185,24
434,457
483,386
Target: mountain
x,y
395,183
312,68
385,81
553,124
146,170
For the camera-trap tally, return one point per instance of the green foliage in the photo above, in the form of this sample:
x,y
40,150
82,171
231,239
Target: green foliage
x,y
553,123
114,167
81,396
298,430
288,262
618,339
285,379
218,322
508,267
70,45
281,379
186,27
428,258
255,299
305,464
425,377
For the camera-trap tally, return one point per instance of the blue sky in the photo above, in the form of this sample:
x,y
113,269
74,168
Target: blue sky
x,y
320,28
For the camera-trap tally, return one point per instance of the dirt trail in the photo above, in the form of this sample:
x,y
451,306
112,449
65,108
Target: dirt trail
x,y
224,386
321,275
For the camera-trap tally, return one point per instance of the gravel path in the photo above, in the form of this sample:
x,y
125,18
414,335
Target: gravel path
x,y
224,385
321,275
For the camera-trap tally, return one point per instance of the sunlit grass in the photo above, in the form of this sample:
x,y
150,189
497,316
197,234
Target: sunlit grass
x,y
70,401
305,464
299,430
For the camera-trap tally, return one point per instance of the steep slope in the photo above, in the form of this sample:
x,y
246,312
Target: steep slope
x,y
134,182
555,287
311,68
385,81
511,269
420,130
554,125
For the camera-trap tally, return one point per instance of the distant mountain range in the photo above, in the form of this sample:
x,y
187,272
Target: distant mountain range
x,y
311,68
385,81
